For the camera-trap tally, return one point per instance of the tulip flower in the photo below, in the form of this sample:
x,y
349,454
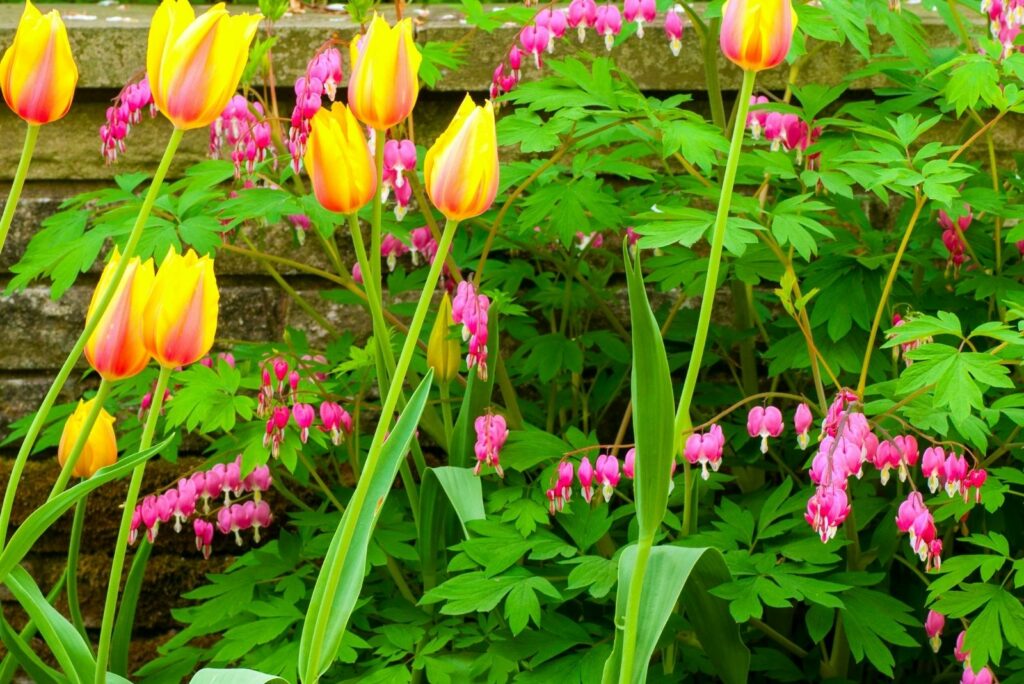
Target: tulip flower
x,y
383,85
38,73
115,348
338,161
100,448
194,65
180,320
444,353
756,34
461,169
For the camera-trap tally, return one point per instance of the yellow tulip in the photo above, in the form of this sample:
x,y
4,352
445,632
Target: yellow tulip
x,y
194,64
384,82
100,448
461,169
756,34
338,161
180,321
115,348
444,353
38,73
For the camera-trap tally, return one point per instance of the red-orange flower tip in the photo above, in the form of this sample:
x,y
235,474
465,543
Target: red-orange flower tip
x,y
38,73
461,169
384,83
115,348
100,448
194,65
338,161
180,321
756,34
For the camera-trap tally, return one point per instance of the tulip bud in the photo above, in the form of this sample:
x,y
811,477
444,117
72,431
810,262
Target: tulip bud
x,y
756,34
461,169
384,83
194,65
444,353
100,448
115,348
38,73
338,161
180,320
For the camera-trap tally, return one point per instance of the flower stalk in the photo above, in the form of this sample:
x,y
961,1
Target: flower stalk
x,y
31,135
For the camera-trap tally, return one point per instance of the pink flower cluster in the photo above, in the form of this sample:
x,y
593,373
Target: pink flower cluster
x,y
399,157
322,77
181,502
787,131
491,433
242,128
705,448
551,24
953,474
470,309
605,473
952,235
1005,19
278,403
969,676
122,115
914,518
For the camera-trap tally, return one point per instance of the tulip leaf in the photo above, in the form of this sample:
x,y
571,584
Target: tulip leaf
x,y
40,520
341,577
122,636
653,407
674,571
66,644
32,664
217,676
464,492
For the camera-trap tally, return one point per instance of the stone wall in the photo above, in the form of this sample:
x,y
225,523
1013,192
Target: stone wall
x,y
109,43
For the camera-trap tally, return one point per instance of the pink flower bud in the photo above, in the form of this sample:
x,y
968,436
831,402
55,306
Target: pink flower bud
x,y
629,463
608,476
933,466
933,625
204,536
802,421
586,477
958,650
304,416
280,368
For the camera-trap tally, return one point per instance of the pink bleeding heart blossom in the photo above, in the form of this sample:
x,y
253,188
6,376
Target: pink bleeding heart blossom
x,y
958,649
954,474
322,76
242,128
122,115
984,676
607,471
933,467
582,15
640,12
470,310
674,31
304,414
802,421
826,511
391,248
534,40
491,433
608,24
757,118
764,422
556,23
705,449
629,463
585,473
335,421
933,626
560,494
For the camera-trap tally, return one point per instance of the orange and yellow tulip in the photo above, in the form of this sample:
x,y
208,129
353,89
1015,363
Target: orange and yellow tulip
x,y
115,348
461,169
100,448
384,82
38,73
194,64
180,320
756,34
338,161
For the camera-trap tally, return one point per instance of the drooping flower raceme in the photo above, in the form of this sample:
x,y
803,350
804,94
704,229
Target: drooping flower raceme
x,y
37,72
116,348
491,433
194,64
383,85
470,309
100,448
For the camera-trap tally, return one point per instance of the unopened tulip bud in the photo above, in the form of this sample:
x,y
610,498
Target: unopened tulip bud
x,y
100,448
444,353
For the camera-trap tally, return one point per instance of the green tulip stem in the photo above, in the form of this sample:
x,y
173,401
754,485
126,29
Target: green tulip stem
x,y
31,134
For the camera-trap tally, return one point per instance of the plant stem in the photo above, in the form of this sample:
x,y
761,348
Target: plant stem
x,y
77,524
121,547
76,352
683,421
375,224
636,585
83,437
31,134
711,75
360,494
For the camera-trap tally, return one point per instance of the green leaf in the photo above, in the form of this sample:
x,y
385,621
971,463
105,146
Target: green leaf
x,y
122,636
32,664
65,643
464,493
598,575
340,580
671,571
212,676
873,619
653,404
528,448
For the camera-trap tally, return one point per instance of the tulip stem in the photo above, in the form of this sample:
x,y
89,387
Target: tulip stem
x,y
121,547
74,608
90,325
309,668
81,440
31,134
378,201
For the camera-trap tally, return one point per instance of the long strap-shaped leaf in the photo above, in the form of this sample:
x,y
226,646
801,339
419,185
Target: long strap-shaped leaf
x,y
212,676
34,667
671,571
66,644
47,514
341,577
